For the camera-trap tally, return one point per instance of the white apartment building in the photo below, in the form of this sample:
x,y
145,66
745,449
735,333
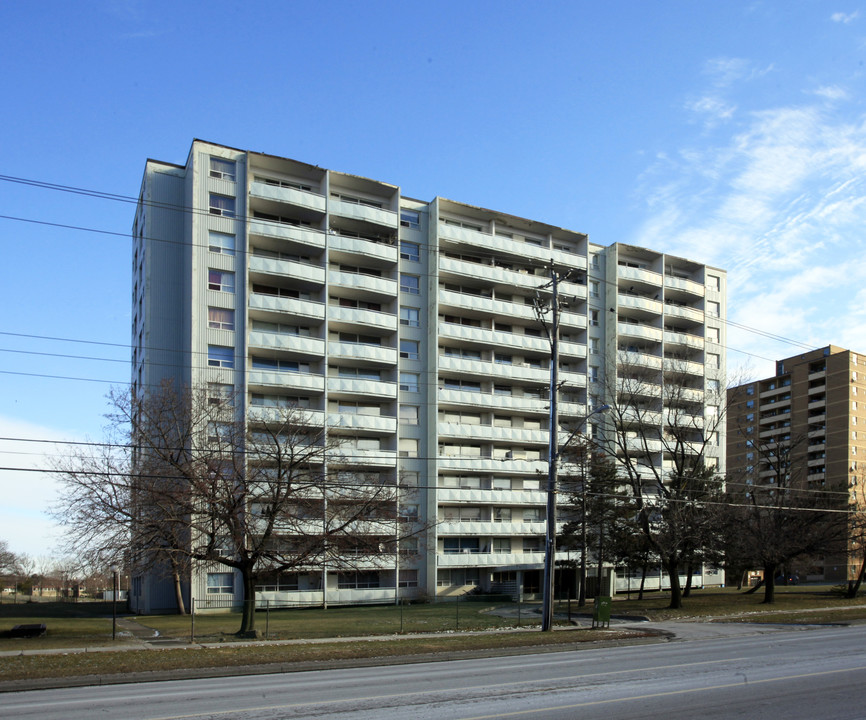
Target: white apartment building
x,y
410,326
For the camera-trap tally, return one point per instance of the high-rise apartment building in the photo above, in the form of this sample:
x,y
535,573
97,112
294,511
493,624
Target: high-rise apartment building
x,y
409,329
812,415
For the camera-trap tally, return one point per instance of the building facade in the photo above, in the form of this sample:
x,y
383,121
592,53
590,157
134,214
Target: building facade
x,y
410,328
813,409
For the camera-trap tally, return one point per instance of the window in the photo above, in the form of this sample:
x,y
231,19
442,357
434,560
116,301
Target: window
x,y
222,205
360,373
409,382
410,251
462,545
594,289
409,414
501,483
408,447
594,318
221,243
502,359
220,393
409,349
222,169
502,545
221,281
594,346
502,390
593,373
713,386
410,218
714,360
408,578
501,514
410,316
220,318
714,282
533,515
220,583
750,390
714,309
465,385
220,356
409,478
358,580
410,284
275,365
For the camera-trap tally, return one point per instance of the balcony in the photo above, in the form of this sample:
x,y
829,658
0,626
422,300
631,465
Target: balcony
x,y
363,283
349,386
490,433
366,458
640,304
572,319
359,247
487,528
629,359
478,463
368,353
493,370
496,244
490,497
285,380
355,421
489,559
683,367
493,337
643,332
488,401
281,231
313,418
287,268
686,313
639,275
288,195
570,349
486,305
366,213
683,340
291,343
496,275
287,306
684,285
347,316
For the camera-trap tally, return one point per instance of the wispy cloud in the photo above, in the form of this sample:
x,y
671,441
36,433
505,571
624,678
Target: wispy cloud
x,y
845,18
780,203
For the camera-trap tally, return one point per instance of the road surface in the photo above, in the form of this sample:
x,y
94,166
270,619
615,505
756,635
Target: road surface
x,y
797,674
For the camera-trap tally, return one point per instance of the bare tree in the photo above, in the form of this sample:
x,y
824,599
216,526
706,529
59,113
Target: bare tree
x,y
199,485
776,515
661,426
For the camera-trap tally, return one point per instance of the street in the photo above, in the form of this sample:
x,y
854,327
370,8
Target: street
x,y
798,674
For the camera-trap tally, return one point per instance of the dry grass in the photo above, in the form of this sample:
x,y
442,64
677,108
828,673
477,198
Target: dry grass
x,y
282,657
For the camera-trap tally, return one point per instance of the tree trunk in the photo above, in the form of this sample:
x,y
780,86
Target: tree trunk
x,y
687,590
854,585
178,590
248,613
643,569
581,593
672,567
770,583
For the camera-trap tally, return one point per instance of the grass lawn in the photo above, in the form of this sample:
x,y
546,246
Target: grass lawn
x,y
89,624
351,621
282,658
69,624
799,603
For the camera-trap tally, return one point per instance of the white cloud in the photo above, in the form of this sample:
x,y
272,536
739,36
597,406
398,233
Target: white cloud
x,y
831,92
27,493
845,18
780,203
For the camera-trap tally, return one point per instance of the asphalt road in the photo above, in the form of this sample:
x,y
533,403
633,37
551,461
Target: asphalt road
x,y
797,674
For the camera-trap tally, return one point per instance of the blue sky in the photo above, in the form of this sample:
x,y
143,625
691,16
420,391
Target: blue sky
x,y
732,133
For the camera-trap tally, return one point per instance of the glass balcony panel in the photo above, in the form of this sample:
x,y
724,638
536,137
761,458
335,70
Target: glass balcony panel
x,y
356,351
368,283
287,380
360,247
356,316
289,306
357,211
293,343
